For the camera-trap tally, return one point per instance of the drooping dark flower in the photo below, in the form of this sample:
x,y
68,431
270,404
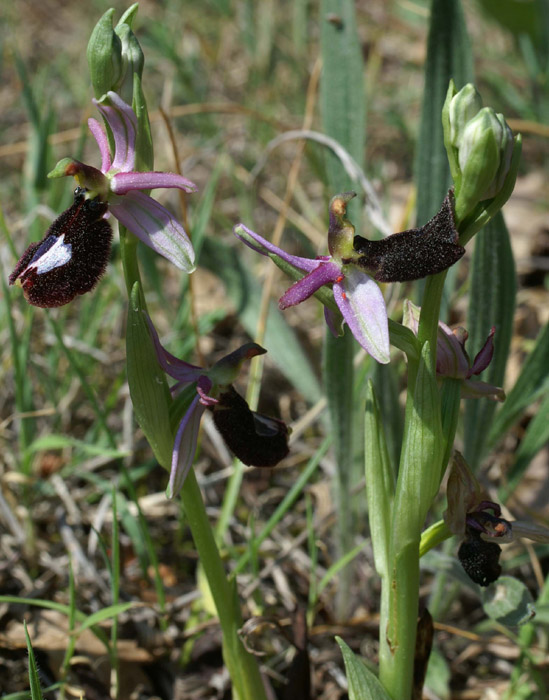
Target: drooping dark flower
x,y
477,520
71,257
257,440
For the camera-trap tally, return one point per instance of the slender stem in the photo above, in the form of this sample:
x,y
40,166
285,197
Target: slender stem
x,y
400,595
242,666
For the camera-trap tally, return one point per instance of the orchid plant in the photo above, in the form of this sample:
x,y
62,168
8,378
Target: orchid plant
x,y
483,159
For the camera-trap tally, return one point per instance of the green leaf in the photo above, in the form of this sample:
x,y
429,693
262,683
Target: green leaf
x,y
438,675
34,681
380,481
492,303
363,684
148,388
532,383
449,56
508,602
342,95
245,293
421,455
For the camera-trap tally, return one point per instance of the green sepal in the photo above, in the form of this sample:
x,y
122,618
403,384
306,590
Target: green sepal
x,y
485,211
451,151
133,58
148,387
144,158
104,54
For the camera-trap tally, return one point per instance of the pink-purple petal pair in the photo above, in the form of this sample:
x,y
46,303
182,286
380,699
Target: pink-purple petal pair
x,y
358,297
257,440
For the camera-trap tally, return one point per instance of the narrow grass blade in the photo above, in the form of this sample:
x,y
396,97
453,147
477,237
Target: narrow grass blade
x,y
531,384
535,438
380,481
34,681
448,56
492,303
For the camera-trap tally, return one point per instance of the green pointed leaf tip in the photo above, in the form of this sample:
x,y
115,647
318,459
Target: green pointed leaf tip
x,y
508,602
148,388
104,54
363,684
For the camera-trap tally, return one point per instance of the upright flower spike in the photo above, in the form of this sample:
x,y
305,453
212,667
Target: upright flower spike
x,y
358,297
453,360
477,520
118,184
257,440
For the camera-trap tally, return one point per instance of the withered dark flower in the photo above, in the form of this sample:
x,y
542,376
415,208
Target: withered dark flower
x,y
71,257
478,521
413,254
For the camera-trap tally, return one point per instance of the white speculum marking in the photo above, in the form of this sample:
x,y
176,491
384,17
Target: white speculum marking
x,y
59,254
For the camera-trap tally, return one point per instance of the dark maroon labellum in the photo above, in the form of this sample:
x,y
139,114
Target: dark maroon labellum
x,y
70,259
411,255
480,559
257,440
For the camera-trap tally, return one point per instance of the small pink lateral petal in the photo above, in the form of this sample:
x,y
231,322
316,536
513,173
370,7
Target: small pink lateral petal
x,y
100,136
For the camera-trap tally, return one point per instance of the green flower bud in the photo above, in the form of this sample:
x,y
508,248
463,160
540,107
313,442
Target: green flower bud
x,y
484,155
132,54
463,107
132,61
104,55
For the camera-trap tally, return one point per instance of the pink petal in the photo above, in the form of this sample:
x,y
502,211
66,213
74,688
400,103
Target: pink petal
x,y
184,372
262,245
100,136
361,302
184,447
123,123
325,273
155,226
122,183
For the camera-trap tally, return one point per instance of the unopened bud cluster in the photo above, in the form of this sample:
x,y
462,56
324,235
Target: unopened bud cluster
x,y
480,147
114,55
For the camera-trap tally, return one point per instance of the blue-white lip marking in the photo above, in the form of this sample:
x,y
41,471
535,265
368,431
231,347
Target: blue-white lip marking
x,y
53,253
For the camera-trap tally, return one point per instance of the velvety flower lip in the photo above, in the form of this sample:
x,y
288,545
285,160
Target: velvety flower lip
x,y
357,295
257,440
120,185
453,360
71,257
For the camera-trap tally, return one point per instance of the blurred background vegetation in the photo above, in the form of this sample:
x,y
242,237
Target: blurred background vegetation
x,y
229,76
